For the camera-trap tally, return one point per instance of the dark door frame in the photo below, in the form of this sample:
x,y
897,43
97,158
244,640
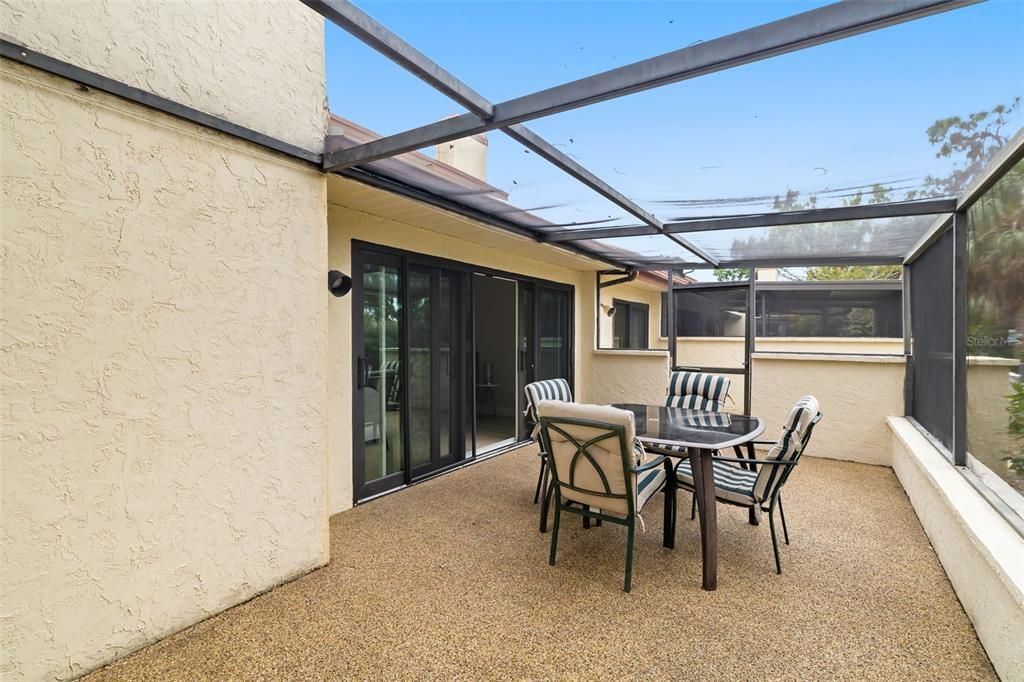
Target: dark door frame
x,y
362,252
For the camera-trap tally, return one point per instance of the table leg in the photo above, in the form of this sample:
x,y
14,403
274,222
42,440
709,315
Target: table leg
x,y
753,514
704,491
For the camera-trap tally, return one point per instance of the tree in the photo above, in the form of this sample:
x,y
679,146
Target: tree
x,y
857,272
974,141
732,274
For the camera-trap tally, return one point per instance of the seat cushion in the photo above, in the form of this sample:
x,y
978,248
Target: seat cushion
x,y
647,484
665,448
731,483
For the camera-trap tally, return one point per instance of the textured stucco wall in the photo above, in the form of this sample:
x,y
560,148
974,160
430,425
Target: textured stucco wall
x,y
728,352
628,377
988,391
347,224
257,63
856,395
983,556
163,361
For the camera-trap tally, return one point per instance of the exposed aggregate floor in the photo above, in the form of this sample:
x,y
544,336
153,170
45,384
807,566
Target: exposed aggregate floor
x,y
449,580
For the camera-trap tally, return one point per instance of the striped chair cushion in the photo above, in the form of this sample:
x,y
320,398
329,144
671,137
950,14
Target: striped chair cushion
x,y
393,379
697,391
548,389
731,483
789,446
648,483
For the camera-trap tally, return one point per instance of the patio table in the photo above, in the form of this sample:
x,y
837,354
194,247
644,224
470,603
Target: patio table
x,y
699,433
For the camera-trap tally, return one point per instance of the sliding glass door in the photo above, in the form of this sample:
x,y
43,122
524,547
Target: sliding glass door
x,y
441,353
409,371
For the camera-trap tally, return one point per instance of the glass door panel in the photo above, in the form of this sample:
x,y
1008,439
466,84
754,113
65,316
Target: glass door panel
x,y
420,367
554,339
495,304
379,441
448,355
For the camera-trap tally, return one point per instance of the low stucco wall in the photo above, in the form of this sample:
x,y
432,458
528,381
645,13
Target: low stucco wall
x,y
988,390
622,376
259,64
728,351
163,374
857,394
981,554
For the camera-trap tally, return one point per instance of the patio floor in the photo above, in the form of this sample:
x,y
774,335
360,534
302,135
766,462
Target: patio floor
x,y
450,579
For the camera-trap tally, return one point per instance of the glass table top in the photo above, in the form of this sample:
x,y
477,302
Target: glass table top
x,y
692,428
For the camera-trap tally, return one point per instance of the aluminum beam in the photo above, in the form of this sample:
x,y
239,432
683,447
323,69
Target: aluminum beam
x,y
369,31
417,194
814,27
818,215
365,28
796,261
96,81
938,228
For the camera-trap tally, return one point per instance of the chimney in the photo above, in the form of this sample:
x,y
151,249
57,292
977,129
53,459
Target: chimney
x,y
468,155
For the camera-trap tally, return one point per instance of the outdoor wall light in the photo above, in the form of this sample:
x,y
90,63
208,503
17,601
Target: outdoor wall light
x,y
338,283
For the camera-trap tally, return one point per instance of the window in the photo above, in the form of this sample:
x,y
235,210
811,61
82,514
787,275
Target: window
x,y
863,309
719,310
630,324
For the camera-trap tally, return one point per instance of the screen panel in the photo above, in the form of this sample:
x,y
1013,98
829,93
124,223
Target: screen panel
x,y
868,312
931,314
995,329
880,237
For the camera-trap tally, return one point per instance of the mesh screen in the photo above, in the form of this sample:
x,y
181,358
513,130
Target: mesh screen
x,y
931,314
871,312
708,311
995,328
874,237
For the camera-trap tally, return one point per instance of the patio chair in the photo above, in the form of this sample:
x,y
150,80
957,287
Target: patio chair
x,y
742,487
548,389
596,471
698,391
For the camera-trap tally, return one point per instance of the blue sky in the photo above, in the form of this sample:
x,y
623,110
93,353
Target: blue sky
x,y
847,113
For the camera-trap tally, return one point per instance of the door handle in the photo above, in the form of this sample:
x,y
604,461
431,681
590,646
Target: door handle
x,y
362,373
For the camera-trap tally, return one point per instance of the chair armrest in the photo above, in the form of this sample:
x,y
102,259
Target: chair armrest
x,y
744,460
658,460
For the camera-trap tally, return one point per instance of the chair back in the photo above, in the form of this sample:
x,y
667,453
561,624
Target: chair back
x,y
590,449
697,391
548,389
391,381
796,434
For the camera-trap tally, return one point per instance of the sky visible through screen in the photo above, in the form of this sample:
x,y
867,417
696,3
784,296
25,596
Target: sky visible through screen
x,y
825,121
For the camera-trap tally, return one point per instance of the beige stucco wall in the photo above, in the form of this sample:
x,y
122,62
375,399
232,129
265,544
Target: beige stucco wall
x,y
478,246
856,395
983,556
163,364
988,390
728,351
624,376
258,63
